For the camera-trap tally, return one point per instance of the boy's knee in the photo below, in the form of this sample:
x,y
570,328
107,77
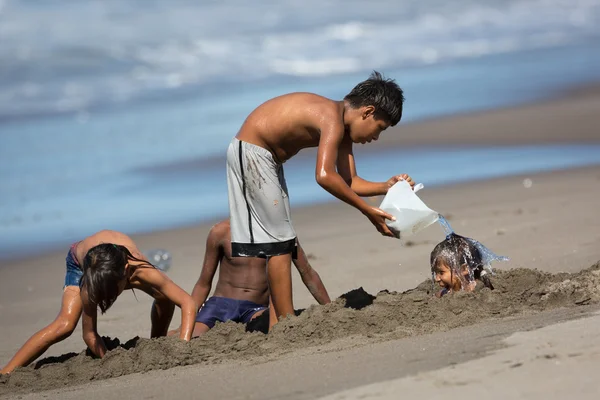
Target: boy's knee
x,y
63,327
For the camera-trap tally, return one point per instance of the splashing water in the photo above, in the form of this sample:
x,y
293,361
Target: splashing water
x,y
456,252
487,256
445,225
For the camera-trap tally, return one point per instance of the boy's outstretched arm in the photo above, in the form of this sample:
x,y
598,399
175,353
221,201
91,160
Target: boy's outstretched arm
x,y
347,169
212,255
89,319
332,134
311,278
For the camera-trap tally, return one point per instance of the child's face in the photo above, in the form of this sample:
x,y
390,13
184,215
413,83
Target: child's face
x,y
445,278
367,128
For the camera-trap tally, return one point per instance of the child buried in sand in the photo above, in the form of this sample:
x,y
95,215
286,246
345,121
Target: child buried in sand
x,y
99,268
242,291
456,263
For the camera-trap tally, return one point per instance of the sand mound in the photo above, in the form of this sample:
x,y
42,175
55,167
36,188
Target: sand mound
x,y
356,315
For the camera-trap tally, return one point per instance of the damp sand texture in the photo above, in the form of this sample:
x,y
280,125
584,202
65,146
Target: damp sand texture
x,y
357,315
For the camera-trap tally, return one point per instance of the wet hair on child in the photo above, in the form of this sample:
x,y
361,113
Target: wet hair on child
x,y
103,271
464,260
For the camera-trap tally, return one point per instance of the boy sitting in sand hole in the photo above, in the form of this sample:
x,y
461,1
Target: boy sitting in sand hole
x,y
259,207
242,291
456,264
99,269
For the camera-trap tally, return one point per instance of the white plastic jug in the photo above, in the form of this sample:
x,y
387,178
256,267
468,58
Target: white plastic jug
x,y
412,215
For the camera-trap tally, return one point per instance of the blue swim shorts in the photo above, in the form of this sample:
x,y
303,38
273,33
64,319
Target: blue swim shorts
x,y
224,309
74,271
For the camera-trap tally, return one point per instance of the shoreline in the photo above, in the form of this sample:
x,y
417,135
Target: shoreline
x,y
568,117
299,212
581,102
546,221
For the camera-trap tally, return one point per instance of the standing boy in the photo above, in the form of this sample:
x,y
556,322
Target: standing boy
x,y
273,133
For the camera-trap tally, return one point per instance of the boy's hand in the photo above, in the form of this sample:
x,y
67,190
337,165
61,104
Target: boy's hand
x,y
404,177
377,218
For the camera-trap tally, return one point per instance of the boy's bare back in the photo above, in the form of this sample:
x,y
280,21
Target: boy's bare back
x,y
287,124
107,236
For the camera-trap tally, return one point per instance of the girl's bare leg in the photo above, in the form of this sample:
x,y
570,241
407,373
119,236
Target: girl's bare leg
x,y
60,329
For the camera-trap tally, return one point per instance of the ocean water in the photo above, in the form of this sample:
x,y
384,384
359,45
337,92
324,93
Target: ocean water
x,y
102,102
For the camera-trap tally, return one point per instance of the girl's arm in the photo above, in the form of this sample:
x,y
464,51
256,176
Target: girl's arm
x,y
161,283
89,326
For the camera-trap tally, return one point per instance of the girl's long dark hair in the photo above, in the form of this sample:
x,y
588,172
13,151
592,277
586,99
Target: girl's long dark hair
x,y
103,269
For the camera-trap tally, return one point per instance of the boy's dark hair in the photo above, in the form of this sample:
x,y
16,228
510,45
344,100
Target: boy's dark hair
x,y
103,269
383,94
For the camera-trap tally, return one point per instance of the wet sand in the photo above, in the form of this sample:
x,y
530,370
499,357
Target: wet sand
x,y
552,225
358,316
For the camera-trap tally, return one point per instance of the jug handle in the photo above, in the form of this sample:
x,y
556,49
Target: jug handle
x,y
418,187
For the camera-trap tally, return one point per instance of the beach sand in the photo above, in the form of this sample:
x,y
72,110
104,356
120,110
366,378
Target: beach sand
x,y
547,221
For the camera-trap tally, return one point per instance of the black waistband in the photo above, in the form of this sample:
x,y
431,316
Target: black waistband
x,y
264,250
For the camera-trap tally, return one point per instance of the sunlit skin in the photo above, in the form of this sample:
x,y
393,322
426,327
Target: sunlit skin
x,y
75,304
292,122
243,278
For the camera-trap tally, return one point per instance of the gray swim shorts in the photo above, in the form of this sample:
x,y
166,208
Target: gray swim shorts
x,y
259,207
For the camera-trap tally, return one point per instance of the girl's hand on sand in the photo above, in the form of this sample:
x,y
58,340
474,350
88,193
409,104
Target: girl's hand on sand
x,y
404,177
377,218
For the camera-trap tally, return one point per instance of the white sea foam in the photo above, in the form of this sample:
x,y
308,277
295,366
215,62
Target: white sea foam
x,y
60,56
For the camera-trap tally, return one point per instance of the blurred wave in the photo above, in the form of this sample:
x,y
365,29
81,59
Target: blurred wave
x,y
59,56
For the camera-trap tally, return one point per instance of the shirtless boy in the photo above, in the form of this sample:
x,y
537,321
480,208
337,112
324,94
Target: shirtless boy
x,y
242,291
273,133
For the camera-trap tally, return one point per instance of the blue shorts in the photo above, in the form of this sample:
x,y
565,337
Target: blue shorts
x,y
224,309
74,271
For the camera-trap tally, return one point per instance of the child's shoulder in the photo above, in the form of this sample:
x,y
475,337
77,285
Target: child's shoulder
x,y
220,230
